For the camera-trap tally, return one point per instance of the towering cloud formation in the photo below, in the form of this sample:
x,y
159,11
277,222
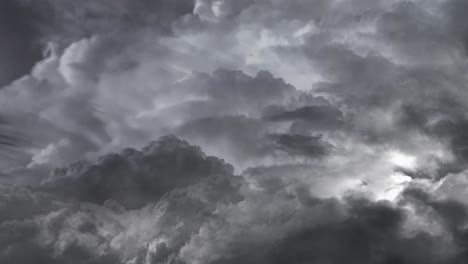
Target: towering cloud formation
x,y
233,131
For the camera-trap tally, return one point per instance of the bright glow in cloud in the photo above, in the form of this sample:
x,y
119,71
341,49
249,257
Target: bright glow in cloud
x,y
394,186
403,160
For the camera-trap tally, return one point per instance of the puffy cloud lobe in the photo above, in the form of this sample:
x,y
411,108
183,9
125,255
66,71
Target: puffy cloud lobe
x,y
236,92
134,178
73,231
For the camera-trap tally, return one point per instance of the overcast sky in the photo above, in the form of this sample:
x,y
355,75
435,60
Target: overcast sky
x,y
233,131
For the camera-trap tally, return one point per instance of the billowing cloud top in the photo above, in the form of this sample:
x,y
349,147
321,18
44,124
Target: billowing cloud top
x,y
233,131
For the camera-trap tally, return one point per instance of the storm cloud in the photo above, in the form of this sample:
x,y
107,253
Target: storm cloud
x,y
226,131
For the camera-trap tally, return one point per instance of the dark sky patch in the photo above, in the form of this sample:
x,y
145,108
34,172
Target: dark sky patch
x,y
21,46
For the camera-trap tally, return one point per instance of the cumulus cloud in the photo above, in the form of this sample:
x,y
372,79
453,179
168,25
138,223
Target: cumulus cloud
x,y
224,219
302,131
134,178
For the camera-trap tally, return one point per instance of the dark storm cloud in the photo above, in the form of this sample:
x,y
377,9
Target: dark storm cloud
x,y
417,35
314,116
416,82
380,95
18,203
133,177
186,210
31,29
453,215
370,232
312,146
67,21
38,228
355,230
19,243
27,26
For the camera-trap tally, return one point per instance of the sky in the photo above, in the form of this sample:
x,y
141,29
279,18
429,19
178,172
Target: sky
x,y
233,131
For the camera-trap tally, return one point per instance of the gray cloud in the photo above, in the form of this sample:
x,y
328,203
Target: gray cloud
x,y
370,234
134,178
221,218
301,145
343,121
315,117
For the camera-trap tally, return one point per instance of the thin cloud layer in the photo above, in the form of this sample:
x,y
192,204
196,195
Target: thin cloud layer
x,y
300,131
